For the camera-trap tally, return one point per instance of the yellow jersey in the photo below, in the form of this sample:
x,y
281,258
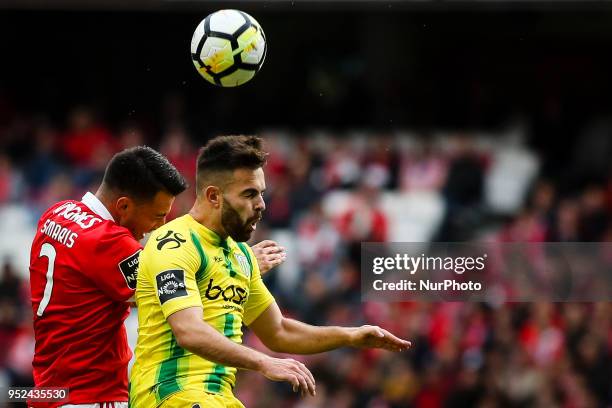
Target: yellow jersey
x,y
185,264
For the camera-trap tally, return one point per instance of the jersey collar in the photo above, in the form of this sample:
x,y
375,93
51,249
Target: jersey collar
x,y
96,206
208,234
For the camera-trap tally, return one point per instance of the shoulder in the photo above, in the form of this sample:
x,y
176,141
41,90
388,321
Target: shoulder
x,y
171,245
109,244
57,206
81,219
108,233
173,235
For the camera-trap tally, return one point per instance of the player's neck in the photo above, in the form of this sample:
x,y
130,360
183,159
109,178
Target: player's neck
x,y
208,218
107,201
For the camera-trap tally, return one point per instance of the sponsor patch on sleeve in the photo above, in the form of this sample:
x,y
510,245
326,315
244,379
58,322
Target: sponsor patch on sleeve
x,y
129,269
170,285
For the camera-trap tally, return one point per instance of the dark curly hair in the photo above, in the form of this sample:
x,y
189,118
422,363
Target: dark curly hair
x,y
228,153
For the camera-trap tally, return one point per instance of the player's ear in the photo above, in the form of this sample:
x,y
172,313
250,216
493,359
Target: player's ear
x,y
213,195
124,205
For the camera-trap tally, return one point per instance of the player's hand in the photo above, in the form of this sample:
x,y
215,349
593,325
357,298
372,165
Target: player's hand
x,y
290,370
376,337
269,255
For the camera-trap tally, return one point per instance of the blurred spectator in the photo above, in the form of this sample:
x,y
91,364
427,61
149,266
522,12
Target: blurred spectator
x,y
463,192
43,163
60,187
591,157
318,239
595,218
424,168
11,298
19,360
305,189
527,227
179,149
566,225
542,200
85,138
363,221
343,167
9,180
465,175
381,162
278,202
130,135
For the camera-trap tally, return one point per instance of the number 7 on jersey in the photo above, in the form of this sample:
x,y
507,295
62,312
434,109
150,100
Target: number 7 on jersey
x,y
49,251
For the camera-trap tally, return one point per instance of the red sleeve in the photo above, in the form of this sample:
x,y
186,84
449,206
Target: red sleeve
x,y
114,264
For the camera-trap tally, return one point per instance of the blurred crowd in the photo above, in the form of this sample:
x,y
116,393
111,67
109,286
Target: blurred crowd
x,y
326,194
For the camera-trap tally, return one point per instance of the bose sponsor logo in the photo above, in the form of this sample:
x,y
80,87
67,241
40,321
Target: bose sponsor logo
x,y
233,293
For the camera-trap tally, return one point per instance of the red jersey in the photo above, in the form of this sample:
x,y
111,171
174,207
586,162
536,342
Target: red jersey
x,y
83,270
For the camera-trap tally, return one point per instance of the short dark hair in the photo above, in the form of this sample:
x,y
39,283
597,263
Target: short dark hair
x,y
141,172
228,153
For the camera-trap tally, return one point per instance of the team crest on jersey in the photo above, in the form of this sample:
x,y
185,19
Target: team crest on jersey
x,y
175,239
129,269
170,284
244,265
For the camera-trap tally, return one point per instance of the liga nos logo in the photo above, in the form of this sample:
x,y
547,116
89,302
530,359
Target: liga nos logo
x,y
129,269
170,285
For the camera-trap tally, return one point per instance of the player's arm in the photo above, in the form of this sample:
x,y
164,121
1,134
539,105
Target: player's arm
x,y
194,334
269,255
285,335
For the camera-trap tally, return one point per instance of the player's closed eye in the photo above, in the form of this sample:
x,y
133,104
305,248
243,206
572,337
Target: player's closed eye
x,y
252,194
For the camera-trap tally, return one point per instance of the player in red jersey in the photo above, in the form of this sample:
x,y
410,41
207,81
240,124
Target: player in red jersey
x,y
83,268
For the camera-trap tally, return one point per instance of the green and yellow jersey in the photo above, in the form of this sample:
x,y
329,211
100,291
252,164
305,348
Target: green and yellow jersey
x,y
185,264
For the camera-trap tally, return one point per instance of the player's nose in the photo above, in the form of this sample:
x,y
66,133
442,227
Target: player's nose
x,y
260,205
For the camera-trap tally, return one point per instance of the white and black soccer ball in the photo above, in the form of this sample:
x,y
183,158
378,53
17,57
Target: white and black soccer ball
x,y
228,48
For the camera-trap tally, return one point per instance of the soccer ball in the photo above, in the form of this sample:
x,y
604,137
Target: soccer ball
x,y
228,48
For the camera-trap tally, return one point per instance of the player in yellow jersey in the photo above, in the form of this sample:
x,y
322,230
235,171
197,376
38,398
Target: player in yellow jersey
x,y
198,283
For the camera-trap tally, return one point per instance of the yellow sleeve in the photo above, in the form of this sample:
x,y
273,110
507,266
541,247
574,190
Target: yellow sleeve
x,y
172,273
259,295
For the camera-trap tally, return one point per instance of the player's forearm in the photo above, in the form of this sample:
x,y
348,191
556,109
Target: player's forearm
x,y
300,338
206,342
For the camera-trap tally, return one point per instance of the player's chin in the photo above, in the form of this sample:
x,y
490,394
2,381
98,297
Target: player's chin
x,y
243,236
137,235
